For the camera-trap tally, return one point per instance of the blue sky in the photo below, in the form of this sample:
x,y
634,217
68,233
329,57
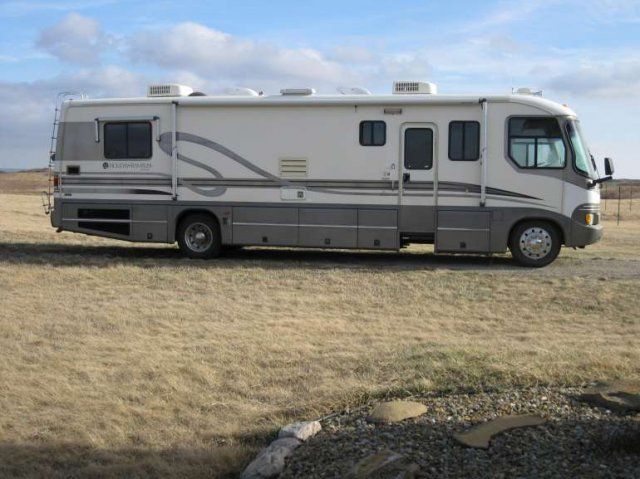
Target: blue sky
x,y
582,52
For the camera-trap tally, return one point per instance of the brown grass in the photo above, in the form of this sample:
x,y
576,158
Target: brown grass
x,y
24,183
119,359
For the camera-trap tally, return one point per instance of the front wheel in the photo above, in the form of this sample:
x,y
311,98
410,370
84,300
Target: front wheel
x,y
199,236
534,243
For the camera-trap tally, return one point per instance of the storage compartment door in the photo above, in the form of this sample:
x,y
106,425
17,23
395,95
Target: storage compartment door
x,y
463,231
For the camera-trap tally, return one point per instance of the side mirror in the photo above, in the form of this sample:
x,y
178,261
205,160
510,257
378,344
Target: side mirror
x,y
608,167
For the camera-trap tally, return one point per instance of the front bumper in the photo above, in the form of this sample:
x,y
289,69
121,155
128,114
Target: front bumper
x,y
582,234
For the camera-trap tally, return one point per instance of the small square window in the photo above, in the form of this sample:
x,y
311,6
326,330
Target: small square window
x,y
373,133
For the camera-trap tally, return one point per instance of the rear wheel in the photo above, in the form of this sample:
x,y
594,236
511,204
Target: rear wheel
x,y
199,236
534,243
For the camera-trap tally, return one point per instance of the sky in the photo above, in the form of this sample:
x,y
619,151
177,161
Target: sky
x,y
585,53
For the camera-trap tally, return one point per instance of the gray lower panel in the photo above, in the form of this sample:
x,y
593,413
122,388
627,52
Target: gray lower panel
x,y
411,220
417,219
282,215
386,218
377,238
131,222
327,216
471,241
149,231
327,236
463,231
265,235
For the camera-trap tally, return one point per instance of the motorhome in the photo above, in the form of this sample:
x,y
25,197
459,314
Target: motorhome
x,y
467,173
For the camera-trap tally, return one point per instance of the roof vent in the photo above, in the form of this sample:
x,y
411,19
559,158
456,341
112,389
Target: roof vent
x,y
241,91
414,88
353,90
169,89
527,91
297,91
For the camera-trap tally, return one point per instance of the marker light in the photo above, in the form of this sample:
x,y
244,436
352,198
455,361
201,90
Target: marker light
x,y
588,218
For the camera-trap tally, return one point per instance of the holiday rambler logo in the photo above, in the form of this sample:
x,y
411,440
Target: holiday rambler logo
x,y
127,165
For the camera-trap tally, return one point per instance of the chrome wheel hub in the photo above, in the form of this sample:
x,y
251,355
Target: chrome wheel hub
x,y
535,243
198,237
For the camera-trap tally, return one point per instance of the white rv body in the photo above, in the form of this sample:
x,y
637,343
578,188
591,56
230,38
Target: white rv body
x,y
291,170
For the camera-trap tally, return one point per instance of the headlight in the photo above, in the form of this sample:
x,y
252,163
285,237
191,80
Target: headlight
x,y
588,218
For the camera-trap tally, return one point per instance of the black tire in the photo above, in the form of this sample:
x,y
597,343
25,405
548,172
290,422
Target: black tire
x,y
199,236
535,243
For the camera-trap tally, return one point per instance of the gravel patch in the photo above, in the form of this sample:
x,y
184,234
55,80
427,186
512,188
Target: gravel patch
x,y
577,440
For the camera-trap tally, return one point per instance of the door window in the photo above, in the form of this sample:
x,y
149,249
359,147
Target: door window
x,y
418,148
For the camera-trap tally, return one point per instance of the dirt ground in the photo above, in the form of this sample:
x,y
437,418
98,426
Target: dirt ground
x,y
128,360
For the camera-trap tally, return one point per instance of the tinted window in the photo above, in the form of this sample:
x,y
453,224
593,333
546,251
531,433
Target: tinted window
x,y
127,140
373,133
464,140
418,148
115,140
536,143
139,140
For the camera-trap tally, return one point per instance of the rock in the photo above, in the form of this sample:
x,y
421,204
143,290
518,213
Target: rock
x,y
395,411
384,465
270,461
480,435
620,396
301,430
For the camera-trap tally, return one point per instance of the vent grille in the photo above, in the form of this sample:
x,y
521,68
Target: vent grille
x,y
159,90
407,87
169,89
414,87
294,167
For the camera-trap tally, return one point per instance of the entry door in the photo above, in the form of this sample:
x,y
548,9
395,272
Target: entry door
x,y
419,177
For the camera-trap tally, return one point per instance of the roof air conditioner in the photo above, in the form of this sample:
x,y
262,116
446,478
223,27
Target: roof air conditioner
x,y
169,89
414,88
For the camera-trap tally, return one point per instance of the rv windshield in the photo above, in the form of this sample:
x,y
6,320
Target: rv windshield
x,y
582,160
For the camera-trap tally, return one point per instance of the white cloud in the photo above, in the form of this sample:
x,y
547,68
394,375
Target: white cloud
x,y
214,54
74,39
27,109
613,79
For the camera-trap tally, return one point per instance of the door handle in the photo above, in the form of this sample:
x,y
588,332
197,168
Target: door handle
x,y
406,177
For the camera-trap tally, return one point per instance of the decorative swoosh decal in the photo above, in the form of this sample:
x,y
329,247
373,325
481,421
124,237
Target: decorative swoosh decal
x,y
220,189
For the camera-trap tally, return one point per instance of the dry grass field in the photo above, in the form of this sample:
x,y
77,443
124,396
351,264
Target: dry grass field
x,y
128,360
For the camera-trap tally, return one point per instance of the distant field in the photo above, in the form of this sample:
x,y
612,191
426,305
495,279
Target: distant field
x,y
27,183
121,360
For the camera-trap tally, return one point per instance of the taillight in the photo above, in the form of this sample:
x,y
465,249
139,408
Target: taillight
x,y
56,181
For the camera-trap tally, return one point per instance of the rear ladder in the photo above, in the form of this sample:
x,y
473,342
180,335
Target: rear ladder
x,y
51,187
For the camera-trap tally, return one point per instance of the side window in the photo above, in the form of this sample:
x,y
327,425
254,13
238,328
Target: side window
x,y
536,143
418,148
127,140
373,133
464,140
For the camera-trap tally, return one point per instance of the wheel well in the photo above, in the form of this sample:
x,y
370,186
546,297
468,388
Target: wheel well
x,y
553,223
185,213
